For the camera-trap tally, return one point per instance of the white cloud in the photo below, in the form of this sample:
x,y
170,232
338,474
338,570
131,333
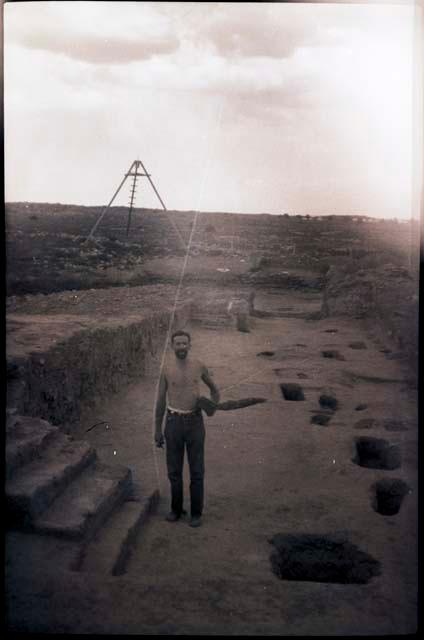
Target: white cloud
x,y
95,32
248,30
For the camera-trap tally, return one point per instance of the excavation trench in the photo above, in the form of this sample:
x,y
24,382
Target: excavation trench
x,y
316,558
292,391
361,407
327,401
389,494
376,453
321,419
365,423
332,353
357,345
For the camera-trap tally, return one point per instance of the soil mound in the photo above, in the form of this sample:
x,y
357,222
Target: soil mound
x,y
374,293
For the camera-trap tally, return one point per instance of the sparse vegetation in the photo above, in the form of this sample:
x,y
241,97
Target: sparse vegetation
x,y
364,268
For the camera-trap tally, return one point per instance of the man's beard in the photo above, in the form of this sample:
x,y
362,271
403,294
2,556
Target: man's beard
x,y
181,354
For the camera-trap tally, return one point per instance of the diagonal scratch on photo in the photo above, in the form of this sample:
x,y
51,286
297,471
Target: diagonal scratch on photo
x,y
212,260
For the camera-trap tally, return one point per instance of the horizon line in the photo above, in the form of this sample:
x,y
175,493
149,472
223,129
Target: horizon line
x,y
220,212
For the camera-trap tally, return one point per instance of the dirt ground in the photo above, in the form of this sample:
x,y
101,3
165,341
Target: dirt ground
x,y
269,470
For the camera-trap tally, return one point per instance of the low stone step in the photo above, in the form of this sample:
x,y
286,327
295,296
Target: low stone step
x,y
26,438
86,503
34,486
109,551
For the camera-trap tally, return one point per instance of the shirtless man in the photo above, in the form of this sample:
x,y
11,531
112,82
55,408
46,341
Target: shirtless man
x,y
178,395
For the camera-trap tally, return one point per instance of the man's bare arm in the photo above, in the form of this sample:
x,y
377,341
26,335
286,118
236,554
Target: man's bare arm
x,y
207,379
160,410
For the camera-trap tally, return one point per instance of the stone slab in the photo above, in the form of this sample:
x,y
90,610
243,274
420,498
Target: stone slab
x,y
33,487
86,503
109,551
26,437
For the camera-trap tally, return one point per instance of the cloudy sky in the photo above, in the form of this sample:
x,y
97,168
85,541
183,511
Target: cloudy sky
x,y
244,107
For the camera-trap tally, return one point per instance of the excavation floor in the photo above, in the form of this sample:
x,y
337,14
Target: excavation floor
x,y
270,470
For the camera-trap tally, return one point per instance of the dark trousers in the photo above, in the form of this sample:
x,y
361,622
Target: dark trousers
x,y
185,431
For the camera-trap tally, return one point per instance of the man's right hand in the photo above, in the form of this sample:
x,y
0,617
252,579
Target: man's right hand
x,y
160,440
207,405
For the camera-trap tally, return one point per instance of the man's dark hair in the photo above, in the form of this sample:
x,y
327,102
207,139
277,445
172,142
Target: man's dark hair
x,y
180,333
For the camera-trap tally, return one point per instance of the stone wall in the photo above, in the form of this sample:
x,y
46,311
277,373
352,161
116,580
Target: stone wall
x,y
55,383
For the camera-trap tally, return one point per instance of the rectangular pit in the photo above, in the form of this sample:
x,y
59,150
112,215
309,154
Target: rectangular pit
x,y
328,401
292,391
376,453
388,495
321,558
332,353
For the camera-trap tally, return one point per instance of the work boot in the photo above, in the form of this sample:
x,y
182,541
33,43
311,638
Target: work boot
x,y
173,516
195,521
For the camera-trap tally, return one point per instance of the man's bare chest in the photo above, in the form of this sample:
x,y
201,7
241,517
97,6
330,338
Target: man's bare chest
x,y
183,377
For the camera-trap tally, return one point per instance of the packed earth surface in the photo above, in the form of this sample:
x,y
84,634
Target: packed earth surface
x,y
310,520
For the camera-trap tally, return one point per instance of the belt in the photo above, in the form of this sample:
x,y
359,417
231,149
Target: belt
x,y
173,412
